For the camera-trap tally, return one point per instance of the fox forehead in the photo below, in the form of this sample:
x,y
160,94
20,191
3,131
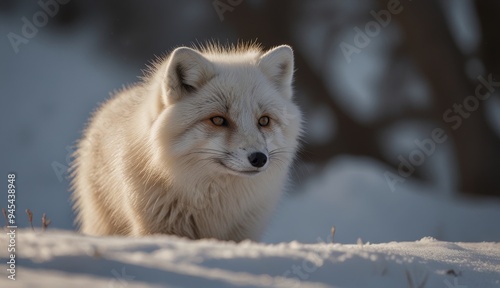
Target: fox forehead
x,y
237,90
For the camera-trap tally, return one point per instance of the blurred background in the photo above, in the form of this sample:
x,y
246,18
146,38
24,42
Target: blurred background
x,y
401,100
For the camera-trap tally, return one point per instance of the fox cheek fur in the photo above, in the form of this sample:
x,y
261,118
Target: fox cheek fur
x,y
200,149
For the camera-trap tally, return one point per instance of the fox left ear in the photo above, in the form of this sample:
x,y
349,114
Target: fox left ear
x,y
187,70
277,64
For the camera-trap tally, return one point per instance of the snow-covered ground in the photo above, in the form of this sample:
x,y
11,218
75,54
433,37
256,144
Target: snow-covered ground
x,y
65,259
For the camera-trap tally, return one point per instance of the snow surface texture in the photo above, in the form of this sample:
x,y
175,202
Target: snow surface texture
x,y
65,259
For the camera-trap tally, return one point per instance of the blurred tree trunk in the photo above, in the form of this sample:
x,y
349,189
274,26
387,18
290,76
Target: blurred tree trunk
x,y
429,42
488,14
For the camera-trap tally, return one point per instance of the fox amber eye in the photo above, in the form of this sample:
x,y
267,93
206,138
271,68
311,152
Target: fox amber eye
x,y
264,121
219,121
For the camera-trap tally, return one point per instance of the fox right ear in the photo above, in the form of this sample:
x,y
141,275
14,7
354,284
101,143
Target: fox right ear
x,y
277,64
187,70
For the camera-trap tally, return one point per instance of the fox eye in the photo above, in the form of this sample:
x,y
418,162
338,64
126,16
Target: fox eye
x,y
219,121
264,121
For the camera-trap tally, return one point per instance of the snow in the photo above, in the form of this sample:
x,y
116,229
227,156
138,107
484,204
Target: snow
x,y
71,260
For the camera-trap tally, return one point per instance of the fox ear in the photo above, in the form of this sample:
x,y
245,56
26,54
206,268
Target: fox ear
x,y
277,64
187,71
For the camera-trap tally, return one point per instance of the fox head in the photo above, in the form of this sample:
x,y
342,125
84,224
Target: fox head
x,y
226,112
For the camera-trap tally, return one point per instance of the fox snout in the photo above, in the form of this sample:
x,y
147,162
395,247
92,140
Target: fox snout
x,y
243,162
257,159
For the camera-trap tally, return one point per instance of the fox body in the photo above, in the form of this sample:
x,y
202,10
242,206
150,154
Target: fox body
x,y
201,148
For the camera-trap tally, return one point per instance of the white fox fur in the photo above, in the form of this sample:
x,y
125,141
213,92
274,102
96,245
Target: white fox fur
x,y
153,159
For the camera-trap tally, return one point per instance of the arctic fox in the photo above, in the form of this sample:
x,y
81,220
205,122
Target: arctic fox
x,y
201,148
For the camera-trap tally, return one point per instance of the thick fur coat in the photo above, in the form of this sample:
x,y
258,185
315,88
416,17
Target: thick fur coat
x,y
201,148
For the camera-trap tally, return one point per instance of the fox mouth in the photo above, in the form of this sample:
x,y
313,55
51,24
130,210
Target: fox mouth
x,y
240,172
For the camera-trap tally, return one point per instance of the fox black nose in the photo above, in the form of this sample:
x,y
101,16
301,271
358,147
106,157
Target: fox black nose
x,y
257,159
